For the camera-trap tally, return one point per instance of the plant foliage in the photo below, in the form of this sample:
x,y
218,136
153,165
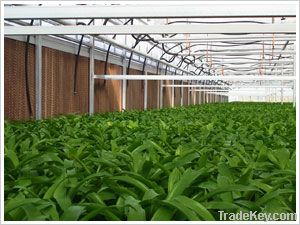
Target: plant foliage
x,y
184,163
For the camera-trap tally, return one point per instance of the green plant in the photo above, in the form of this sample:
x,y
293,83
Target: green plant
x,y
184,163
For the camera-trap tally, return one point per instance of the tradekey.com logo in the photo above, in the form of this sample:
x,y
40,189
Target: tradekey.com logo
x,y
255,216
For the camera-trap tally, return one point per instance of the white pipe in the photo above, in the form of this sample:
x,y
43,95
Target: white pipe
x,y
176,77
227,86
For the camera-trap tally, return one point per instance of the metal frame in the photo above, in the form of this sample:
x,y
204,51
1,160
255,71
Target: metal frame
x,y
197,39
151,11
190,78
172,95
92,80
124,84
99,54
145,93
253,67
38,76
208,51
151,29
181,94
161,94
232,53
218,90
136,11
261,62
229,86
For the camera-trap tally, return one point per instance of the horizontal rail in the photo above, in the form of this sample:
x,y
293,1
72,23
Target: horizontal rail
x,y
176,77
151,29
253,67
239,40
232,53
150,11
226,86
231,91
232,49
260,62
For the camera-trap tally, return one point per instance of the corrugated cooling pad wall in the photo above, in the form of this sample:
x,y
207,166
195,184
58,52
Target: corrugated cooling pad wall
x,y
15,103
58,81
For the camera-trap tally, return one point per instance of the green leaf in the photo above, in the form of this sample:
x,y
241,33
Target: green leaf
x,y
187,178
220,205
16,203
12,156
196,206
135,211
150,194
227,188
32,213
61,196
50,192
246,176
131,181
190,215
272,195
173,179
163,214
72,213
282,156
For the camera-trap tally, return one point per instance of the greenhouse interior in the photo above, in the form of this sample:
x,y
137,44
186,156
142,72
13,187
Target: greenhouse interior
x,y
149,111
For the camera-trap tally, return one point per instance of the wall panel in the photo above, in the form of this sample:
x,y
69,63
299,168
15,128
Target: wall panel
x,y
153,94
107,93
16,106
185,95
177,94
135,92
58,96
167,93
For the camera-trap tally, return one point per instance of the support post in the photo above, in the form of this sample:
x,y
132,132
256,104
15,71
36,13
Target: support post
x,y
38,75
145,93
92,80
124,81
161,94
189,92
294,86
181,95
294,94
158,95
173,94
281,92
124,84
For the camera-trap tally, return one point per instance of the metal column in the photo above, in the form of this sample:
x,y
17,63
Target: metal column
x,y
294,86
189,92
124,84
181,95
158,95
161,94
294,94
281,92
173,94
38,75
92,80
145,93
